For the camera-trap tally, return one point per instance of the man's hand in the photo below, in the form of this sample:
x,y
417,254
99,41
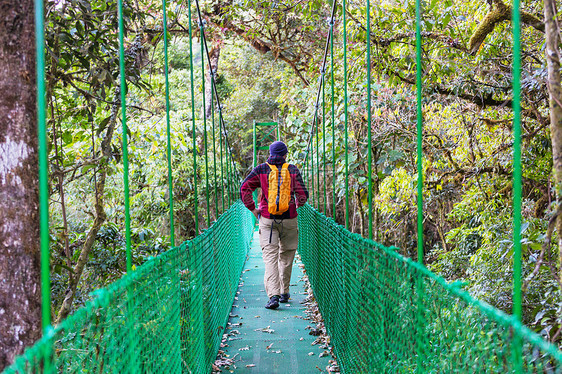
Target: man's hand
x,y
256,214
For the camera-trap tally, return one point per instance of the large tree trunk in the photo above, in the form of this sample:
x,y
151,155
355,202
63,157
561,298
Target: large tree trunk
x,y
555,92
20,306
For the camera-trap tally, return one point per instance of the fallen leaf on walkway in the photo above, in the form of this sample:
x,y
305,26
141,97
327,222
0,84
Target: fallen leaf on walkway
x,y
315,332
266,329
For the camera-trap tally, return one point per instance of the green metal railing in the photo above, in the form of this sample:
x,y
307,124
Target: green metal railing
x,y
388,314
164,317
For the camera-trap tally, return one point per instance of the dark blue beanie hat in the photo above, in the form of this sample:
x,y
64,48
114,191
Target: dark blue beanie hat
x,y
278,149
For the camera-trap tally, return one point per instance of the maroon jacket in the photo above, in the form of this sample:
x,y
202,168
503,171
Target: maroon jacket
x,y
259,178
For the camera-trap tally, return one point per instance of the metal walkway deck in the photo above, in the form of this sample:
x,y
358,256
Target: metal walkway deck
x,y
271,341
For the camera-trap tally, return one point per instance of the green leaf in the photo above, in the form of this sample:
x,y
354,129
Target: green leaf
x,y
103,124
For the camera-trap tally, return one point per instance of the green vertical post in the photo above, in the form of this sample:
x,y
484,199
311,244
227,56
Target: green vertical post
x,y
419,283
419,129
317,125
233,176
168,129
324,137
517,310
312,176
222,168
226,150
193,131
255,147
228,172
516,160
369,129
202,28
125,142
123,90
333,119
310,170
43,172
346,135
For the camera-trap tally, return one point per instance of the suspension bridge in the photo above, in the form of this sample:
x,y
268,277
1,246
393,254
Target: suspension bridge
x,y
384,313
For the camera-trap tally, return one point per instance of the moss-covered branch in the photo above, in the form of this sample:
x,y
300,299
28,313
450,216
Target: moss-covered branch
x,y
500,12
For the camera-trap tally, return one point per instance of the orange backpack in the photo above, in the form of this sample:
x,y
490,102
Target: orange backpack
x,y
279,191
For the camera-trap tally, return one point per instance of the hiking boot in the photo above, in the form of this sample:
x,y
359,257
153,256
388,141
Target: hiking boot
x,y
273,302
284,297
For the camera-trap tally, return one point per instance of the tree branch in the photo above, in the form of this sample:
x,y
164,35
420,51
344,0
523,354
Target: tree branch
x,y
500,12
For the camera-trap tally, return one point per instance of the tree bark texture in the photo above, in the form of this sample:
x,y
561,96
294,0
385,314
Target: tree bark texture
x,y
20,303
555,93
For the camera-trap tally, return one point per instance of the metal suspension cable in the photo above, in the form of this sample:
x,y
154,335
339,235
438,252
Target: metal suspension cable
x,y
123,89
222,169
231,164
213,84
369,129
168,130
316,105
193,132
214,153
202,30
346,136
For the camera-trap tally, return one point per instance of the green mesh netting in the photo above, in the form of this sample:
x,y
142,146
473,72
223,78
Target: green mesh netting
x,y
165,317
387,314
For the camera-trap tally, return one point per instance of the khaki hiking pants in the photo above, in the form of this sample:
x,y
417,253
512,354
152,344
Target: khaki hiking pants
x,y
278,253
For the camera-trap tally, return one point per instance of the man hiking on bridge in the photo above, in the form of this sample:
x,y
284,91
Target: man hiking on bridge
x,y
280,184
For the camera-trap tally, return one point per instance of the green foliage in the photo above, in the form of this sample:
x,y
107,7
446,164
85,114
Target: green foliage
x,y
467,132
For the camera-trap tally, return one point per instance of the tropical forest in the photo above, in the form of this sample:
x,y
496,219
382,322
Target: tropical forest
x,y
428,135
